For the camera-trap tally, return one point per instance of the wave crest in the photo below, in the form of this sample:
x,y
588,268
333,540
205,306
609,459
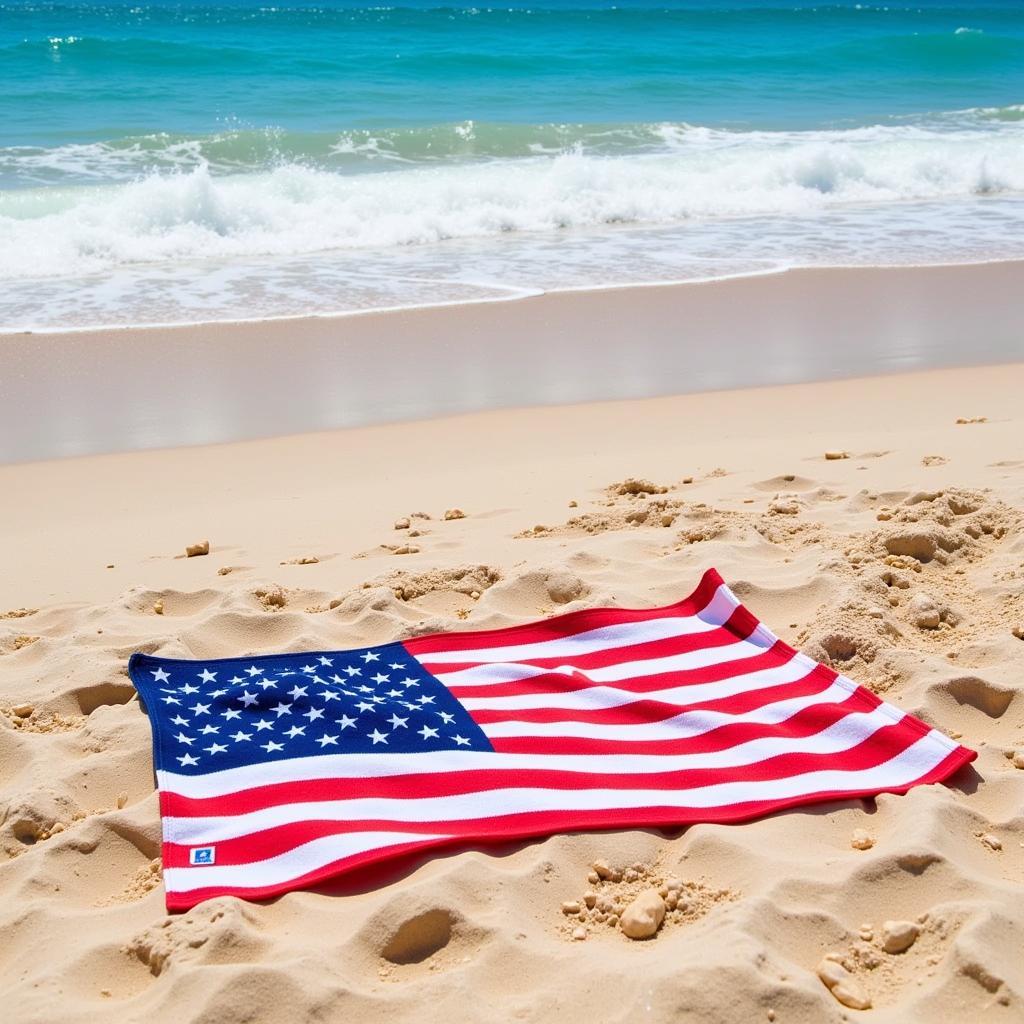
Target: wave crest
x,y
685,173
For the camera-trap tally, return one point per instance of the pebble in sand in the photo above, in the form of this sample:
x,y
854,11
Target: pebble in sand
x,y
899,936
843,985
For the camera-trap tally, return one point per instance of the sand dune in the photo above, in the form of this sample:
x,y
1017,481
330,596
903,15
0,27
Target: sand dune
x,y
900,562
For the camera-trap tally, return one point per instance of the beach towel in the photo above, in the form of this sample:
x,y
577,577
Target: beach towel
x,y
281,772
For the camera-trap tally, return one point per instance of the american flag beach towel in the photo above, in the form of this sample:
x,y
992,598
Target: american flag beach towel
x,y
279,772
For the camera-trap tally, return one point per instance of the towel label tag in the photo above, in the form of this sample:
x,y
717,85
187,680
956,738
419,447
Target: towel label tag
x,y
202,855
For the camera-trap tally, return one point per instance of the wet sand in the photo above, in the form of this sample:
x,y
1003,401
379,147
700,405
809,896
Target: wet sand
x,y
87,392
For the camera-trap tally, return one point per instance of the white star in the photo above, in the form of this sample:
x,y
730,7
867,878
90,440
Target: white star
x,y
378,699
370,656
200,709
266,684
217,693
377,736
364,706
295,730
337,679
231,713
215,748
160,675
446,718
352,671
394,693
207,729
170,700
380,678
189,688
427,733
426,699
297,691
408,681
346,723
329,695
248,698
187,759
178,720
308,668
254,671
397,722
235,680
365,689
263,724
325,661
272,746
461,741
282,709
182,738
328,741
313,714
396,666
207,676
238,736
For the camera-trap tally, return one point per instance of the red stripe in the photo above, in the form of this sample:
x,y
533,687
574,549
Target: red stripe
x,y
554,682
876,749
807,723
685,643
565,625
642,712
425,784
804,723
610,819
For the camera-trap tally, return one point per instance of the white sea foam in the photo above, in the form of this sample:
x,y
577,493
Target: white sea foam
x,y
294,209
644,204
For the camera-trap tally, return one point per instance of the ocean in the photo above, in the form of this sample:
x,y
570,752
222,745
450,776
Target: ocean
x,y
195,161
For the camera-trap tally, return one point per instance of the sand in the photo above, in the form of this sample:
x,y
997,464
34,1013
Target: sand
x,y
88,392
899,560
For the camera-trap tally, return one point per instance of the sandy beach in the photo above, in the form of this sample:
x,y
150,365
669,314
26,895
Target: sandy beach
x,y
835,554
88,392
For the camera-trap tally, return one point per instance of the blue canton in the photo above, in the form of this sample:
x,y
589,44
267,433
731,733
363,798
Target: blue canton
x,y
224,713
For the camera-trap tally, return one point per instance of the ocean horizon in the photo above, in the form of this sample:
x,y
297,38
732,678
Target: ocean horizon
x,y
225,161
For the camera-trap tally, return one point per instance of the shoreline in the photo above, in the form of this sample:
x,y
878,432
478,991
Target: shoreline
x,y
516,293
87,392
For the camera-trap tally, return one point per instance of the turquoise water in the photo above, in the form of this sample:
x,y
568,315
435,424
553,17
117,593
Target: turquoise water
x,y
168,162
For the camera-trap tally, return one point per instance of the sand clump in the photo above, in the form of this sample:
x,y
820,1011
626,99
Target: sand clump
x,y
199,548
861,839
638,900
469,580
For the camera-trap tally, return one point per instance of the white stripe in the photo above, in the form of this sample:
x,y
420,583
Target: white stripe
x,y
714,613
679,727
285,866
366,766
598,697
503,672
910,764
